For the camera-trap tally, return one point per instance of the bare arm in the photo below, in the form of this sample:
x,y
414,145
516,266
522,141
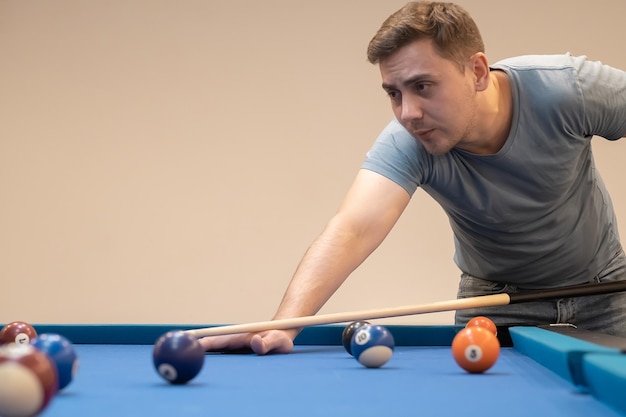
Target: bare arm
x,y
369,211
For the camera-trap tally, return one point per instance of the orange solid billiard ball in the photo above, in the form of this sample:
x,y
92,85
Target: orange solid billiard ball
x,y
475,349
482,321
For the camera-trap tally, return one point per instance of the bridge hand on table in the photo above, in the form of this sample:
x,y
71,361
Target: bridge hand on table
x,y
272,341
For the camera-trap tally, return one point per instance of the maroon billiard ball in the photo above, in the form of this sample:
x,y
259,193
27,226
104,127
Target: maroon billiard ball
x,y
17,332
28,380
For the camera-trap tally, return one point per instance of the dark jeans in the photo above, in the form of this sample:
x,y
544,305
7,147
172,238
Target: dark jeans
x,y
604,313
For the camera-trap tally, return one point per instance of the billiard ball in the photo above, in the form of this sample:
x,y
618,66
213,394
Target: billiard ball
x,y
348,332
475,349
17,332
62,353
178,357
372,345
28,380
482,321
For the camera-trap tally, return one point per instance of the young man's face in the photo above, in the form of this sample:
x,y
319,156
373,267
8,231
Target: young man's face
x,y
430,96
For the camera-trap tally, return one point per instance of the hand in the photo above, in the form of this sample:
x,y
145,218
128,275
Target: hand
x,y
272,341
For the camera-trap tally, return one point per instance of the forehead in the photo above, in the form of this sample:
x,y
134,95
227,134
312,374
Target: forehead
x,y
418,58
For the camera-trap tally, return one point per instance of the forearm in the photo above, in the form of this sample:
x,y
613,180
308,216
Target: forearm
x,y
334,255
325,266
368,213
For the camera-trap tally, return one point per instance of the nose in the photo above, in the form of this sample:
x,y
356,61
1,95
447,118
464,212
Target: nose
x,y
410,109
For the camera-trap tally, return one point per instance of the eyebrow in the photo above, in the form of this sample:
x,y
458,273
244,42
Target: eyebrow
x,y
410,81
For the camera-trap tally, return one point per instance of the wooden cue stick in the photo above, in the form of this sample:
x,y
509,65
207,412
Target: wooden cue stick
x,y
450,305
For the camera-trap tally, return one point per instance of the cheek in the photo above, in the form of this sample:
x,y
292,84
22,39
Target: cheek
x,y
459,112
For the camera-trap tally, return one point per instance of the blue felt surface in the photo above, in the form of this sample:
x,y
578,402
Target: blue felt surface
x,y
120,381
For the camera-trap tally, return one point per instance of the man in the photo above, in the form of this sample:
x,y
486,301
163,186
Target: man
x,y
505,150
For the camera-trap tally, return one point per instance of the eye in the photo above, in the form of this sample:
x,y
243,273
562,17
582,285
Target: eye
x,y
392,93
421,87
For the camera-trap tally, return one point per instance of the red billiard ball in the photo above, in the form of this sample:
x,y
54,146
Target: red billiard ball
x,y
61,351
178,357
28,380
475,349
348,332
17,332
482,321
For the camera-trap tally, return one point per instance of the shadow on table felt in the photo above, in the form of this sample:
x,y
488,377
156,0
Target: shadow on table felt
x,y
188,385
66,394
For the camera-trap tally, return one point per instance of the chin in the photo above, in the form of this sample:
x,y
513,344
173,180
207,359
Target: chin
x,y
437,152
433,145
435,149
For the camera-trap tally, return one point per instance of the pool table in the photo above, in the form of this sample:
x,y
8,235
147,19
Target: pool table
x,y
540,372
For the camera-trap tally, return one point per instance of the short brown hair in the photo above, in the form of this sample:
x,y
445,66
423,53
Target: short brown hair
x,y
454,32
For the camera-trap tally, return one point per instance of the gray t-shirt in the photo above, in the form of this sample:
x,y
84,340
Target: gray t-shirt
x,y
536,213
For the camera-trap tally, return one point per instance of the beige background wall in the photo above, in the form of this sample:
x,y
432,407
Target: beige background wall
x,y
166,161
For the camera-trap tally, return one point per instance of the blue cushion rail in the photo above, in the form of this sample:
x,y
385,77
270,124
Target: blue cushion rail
x,y
142,334
606,378
561,354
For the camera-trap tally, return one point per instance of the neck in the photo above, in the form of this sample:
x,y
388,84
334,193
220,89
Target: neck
x,y
495,114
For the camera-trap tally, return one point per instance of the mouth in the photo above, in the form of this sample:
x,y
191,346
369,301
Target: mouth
x,y
424,133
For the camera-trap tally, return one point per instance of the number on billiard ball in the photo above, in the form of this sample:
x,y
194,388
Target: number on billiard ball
x,y
178,357
475,349
28,380
17,332
372,345
62,353
348,332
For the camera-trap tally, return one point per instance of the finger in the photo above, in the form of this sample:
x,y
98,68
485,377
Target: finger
x,y
271,342
225,343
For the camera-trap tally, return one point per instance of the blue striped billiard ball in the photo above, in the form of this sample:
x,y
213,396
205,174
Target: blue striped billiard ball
x,y
372,345
62,353
178,357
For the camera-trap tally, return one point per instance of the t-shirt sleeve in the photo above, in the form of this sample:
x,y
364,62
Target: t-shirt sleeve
x,y
396,155
604,97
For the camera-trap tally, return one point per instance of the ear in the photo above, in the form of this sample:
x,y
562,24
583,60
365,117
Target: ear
x,y
479,68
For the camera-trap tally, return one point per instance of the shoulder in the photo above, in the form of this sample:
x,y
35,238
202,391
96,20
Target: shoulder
x,y
398,156
394,128
542,75
394,133
584,93
545,82
540,62
564,66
